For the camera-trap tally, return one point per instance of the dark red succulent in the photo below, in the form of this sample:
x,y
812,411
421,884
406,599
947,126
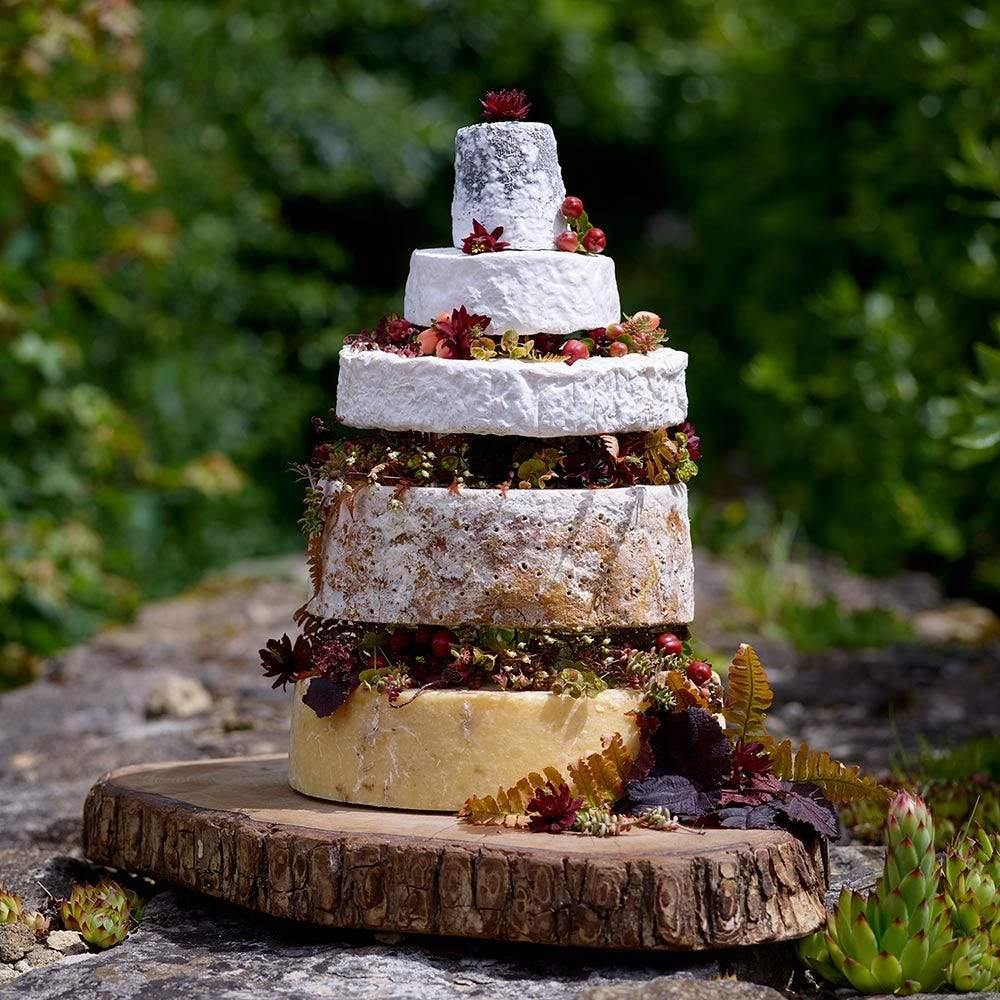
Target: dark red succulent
x,y
505,106
693,440
287,662
553,810
322,454
481,240
455,335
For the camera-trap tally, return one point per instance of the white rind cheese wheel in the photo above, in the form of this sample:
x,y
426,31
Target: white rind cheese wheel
x,y
545,291
529,558
435,751
543,399
507,174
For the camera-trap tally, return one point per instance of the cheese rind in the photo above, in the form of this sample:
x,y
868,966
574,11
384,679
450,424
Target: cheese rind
x,y
436,749
507,174
638,392
522,559
546,291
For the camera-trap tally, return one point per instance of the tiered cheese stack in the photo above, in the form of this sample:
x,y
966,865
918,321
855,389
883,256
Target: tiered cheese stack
x,y
555,558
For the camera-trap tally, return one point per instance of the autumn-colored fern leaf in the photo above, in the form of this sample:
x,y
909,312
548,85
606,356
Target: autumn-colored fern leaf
x,y
748,697
600,778
509,806
838,782
686,692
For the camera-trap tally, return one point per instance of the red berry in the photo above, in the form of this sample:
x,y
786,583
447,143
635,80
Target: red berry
x,y
699,671
399,642
667,642
569,242
575,350
441,643
615,330
422,636
571,208
618,349
594,240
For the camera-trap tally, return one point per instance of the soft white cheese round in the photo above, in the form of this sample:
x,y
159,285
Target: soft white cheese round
x,y
545,291
507,174
590,559
540,399
434,750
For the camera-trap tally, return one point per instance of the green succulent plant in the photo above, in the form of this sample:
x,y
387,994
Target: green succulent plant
x,y
103,914
11,906
971,873
899,938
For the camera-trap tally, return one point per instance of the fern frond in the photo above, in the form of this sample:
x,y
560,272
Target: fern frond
x,y
509,806
748,697
838,782
600,778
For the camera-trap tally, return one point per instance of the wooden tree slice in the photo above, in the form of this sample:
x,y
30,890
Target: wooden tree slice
x,y
235,830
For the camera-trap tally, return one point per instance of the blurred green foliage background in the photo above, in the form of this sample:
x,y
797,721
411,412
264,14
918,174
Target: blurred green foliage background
x,y
199,199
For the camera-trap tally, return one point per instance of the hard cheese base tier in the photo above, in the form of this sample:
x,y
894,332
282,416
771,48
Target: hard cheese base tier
x,y
234,829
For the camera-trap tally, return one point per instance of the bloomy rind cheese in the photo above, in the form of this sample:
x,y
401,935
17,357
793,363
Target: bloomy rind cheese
x,y
529,558
638,392
545,291
437,748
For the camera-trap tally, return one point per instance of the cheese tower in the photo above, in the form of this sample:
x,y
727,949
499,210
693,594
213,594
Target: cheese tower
x,y
533,566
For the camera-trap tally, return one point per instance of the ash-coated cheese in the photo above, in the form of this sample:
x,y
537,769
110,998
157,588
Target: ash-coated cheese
x,y
507,174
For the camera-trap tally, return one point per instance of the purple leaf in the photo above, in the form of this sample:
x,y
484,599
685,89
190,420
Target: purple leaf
x,y
691,743
804,805
325,696
679,794
747,817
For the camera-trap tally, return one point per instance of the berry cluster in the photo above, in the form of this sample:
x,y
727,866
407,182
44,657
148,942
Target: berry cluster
x,y
581,236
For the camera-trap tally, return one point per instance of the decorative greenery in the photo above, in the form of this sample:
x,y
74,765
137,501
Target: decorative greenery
x,y
924,925
898,938
103,914
336,657
407,459
687,768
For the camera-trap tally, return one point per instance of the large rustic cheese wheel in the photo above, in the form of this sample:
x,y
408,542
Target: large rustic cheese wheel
x,y
507,174
639,392
546,291
436,750
528,558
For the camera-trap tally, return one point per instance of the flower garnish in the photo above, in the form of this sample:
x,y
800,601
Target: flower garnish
x,y
452,336
286,662
505,106
481,240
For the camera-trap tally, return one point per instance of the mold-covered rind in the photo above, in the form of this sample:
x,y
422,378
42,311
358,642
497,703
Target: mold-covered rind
x,y
589,559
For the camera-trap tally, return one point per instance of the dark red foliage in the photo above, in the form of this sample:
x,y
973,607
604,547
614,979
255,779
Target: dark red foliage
x,y
692,744
601,461
505,106
391,333
693,440
481,240
458,333
553,810
285,661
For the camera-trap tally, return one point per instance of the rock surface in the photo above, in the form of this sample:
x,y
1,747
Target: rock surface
x,y
87,715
